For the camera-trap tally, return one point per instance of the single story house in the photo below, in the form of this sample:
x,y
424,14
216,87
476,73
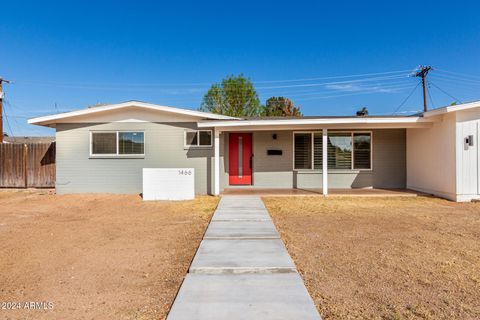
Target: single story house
x,y
105,148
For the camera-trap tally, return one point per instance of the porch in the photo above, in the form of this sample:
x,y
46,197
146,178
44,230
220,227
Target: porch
x,y
319,192
359,161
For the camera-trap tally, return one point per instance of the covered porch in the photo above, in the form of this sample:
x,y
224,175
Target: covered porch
x,y
319,156
319,192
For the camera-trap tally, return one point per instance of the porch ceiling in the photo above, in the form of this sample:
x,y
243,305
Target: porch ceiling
x,y
319,123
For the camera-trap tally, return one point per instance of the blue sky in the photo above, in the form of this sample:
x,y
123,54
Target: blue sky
x,y
68,55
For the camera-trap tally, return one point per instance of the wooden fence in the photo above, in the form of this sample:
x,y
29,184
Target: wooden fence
x,y
29,165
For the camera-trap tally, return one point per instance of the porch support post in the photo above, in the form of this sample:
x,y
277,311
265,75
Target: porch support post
x,y
216,170
325,162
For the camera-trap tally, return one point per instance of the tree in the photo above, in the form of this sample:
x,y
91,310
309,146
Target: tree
x,y
281,107
235,96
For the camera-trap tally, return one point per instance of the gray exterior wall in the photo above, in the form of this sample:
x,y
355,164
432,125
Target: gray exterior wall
x,y
77,172
389,164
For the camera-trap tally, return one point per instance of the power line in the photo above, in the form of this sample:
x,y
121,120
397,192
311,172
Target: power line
x,y
337,96
353,92
456,81
2,94
184,91
457,78
429,94
83,84
7,121
373,89
448,94
460,86
406,99
334,82
333,77
459,73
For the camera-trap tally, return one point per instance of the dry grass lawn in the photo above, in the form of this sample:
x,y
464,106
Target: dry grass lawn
x,y
96,256
385,258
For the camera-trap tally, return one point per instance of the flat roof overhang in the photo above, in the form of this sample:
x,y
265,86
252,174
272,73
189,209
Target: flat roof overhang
x,y
312,124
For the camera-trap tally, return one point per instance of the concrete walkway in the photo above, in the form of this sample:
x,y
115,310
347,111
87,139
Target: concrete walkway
x,y
242,270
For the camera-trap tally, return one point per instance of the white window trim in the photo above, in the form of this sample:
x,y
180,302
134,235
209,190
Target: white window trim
x,y
187,146
116,155
351,170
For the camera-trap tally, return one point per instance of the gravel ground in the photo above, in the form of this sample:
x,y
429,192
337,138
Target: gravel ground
x,y
385,258
95,256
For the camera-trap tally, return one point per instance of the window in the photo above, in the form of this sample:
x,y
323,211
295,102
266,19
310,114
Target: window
x,y
306,145
104,142
199,138
317,150
130,143
191,138
362,150
339,150
345,150
114,143
303,150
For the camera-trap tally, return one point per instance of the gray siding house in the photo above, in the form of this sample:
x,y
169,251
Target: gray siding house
x,y
105,148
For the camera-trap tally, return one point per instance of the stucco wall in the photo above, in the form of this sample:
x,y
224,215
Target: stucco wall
x,y
431,158
467,124
77,172
389,164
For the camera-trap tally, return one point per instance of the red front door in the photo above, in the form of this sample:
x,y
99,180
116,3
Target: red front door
x,y
240,158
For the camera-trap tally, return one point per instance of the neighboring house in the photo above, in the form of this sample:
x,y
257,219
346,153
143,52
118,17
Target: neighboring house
x,y
103,149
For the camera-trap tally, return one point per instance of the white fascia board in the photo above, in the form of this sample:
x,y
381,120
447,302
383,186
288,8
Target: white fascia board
x,y
458,107
324,121
52,118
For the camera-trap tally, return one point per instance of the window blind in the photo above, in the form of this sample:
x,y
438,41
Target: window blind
x,y
362,150
303,150
317,150
104,142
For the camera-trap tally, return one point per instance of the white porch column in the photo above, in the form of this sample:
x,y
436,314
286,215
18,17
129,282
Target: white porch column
x,y
216,170
325,161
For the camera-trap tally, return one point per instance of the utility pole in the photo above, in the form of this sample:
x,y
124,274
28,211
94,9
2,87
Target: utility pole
x,y
1,107
423,74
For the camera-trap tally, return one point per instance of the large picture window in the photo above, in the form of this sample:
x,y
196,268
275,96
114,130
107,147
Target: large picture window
x,y
117,143
345,150
198,138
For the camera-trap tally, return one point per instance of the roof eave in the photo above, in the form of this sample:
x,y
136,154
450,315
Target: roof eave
x,y
294,122
52,119
449,109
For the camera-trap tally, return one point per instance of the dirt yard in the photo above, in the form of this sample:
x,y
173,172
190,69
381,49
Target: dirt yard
x,y
95,256
385,258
